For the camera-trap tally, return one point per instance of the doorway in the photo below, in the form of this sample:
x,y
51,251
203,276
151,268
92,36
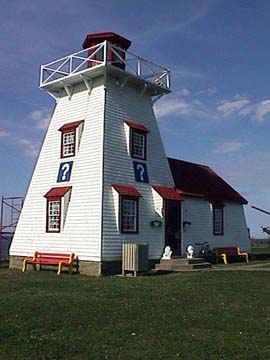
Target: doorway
x,y
173,226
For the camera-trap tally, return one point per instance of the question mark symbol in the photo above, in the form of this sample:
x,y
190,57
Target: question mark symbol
x,y
65,170
140,168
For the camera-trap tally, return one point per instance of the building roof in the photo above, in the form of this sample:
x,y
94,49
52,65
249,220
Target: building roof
x,y
126,190
70,126
200,180
167,193
57,191
108,35
136,125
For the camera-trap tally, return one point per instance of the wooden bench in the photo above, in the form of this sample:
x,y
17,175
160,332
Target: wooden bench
x,y
43,258
224,252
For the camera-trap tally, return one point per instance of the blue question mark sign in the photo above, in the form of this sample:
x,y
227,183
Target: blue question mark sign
x,y
140,172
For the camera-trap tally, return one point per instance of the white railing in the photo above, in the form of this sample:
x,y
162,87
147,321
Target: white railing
x,y
97,56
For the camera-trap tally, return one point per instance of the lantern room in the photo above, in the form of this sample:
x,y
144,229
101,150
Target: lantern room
x,y
120,43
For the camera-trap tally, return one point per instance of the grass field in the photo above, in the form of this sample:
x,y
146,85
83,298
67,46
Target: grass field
x,y
202,315
261,250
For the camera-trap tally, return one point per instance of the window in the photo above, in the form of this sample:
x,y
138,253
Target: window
x,y
138,144
57,202
218,220
138,140
70,137
68,146
54,216
128,208
129,214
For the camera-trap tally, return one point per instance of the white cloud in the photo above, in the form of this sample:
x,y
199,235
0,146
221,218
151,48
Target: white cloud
x,y
31,147
241,105
184,92
41,118
178,105
4,133
208,91
261,110
229,147
228,107
186,73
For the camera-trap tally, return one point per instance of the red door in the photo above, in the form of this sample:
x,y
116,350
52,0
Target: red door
x,y
173,226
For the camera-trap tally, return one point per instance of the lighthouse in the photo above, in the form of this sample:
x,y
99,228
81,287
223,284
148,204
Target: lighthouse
x,y
102,178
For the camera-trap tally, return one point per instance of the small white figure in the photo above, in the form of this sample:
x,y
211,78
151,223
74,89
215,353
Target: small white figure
x,y
190,251
167,253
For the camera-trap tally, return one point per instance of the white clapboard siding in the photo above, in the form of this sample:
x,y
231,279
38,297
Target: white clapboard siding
x,y
82,229
199,213
127,104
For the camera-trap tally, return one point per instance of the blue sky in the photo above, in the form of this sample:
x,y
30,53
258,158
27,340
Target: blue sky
x,y
218,51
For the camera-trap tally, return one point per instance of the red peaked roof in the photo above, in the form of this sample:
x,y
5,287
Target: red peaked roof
x,y
167,193
136,125
108,35
71,126
127,190
57,191
201,180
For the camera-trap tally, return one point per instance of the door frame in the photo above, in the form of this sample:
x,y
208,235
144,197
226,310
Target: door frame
x,y
178,231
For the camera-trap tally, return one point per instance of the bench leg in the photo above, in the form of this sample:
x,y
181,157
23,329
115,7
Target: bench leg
x,y
59,268
24,265
224,258
246,256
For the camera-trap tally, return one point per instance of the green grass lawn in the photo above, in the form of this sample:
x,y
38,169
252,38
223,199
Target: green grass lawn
x,y
261,250
200,315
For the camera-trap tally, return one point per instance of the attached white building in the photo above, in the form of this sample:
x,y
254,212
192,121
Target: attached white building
x,y
102,177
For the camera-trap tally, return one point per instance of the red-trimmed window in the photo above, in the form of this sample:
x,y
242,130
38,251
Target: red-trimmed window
x,y
129,214
69,138
138,144
128,208
54,208
138,140
54,215
218,219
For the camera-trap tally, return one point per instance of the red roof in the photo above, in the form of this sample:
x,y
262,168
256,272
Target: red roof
x,y
70,126
57,191
126,190
136,125
202,180
167,193
93,38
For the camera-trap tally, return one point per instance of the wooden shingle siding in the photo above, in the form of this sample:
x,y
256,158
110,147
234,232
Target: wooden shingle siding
x,y
123,104
82,229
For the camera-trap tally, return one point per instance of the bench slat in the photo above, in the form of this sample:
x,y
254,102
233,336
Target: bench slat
x,y
42,258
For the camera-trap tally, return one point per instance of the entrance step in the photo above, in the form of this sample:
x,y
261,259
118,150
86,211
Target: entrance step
x,y
182,264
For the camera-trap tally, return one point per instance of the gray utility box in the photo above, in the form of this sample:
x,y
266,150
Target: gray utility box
x,y
134,258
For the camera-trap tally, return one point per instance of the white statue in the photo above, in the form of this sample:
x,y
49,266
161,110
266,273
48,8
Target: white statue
x,y
190,251
167,253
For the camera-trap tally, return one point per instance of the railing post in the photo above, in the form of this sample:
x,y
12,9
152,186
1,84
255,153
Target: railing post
x,y
105,52
168,79
139,70
70,64
41,76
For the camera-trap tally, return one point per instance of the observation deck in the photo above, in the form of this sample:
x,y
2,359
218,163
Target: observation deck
x,y
87,64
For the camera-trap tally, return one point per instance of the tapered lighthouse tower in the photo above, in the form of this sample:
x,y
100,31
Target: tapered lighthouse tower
x,y
102,173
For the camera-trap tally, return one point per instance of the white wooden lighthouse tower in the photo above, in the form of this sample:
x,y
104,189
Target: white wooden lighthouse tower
x,y
102,174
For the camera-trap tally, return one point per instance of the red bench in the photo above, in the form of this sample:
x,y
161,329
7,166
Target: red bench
x,y
224,252
43,258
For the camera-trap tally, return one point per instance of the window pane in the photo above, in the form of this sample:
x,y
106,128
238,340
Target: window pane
x,y
54,216
218,220
138,145
129,215
68,143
